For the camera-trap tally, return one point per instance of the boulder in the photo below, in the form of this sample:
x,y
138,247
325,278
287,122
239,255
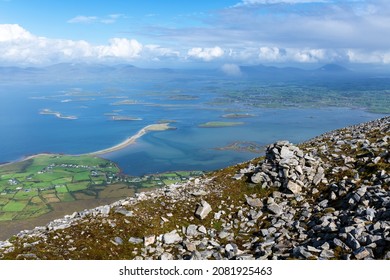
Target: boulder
x,y
203,210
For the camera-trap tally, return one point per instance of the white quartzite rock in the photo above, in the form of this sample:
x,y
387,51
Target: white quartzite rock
x,y
203,210
171,237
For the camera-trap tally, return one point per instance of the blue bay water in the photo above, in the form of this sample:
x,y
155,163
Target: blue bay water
x,y
24,131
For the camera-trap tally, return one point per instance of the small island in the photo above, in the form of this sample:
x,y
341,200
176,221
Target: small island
x,y
243,146
125,102
219,124
57,114
237,116
124,118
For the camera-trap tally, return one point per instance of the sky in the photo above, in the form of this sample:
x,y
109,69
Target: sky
x,y
173,33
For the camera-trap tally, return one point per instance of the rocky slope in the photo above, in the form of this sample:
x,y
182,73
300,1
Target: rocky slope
x,y
327,198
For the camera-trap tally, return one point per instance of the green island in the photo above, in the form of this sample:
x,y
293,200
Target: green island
x,y
237,116
125,118
29,188
243,146
219,124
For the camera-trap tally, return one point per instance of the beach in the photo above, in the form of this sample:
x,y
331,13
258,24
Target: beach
x,y
131,140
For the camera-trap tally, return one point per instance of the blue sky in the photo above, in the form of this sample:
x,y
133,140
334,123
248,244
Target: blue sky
x,y
203,32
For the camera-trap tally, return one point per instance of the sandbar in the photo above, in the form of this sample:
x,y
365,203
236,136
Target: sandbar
x,y
131,140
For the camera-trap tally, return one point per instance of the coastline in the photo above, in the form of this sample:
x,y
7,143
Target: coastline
x,y
129,141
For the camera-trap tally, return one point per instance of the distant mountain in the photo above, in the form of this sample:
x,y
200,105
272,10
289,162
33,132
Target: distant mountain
x,y
333,68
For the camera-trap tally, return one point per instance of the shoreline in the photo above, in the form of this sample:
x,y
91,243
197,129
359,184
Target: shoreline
x,y
129,141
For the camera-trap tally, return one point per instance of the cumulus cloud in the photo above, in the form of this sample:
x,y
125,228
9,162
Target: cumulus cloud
x,y
19,46
231,69
121,48
13,32
206,54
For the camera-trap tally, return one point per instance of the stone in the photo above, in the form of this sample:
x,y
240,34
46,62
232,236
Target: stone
x,y
352,242
293,187
257,178
118,240
135,240
203,210
172,237
192,230
361,253
124,212
166,256
313,249
223,234
27,257
149,240
319,176
327,254
202,229
286,153
105,210
275,209
189,246
254,202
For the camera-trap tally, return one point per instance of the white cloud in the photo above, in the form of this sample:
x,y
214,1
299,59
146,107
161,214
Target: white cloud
x,y
231,69
270,54
18,46
158,52
120,48
13,32
206,54
83,19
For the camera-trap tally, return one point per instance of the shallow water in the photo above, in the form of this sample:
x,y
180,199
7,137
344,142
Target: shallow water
x,y
24,131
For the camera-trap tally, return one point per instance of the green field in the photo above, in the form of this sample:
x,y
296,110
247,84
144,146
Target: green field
x,y
28,188
15,206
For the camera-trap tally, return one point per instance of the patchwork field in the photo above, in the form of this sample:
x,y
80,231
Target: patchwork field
x,y
28,189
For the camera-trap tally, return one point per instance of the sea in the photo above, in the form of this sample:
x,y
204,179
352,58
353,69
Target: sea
x,y
25,131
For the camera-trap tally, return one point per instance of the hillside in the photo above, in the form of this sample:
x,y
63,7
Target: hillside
x,y
327,198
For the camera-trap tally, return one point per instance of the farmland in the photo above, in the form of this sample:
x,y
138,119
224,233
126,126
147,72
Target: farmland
x,y
29,188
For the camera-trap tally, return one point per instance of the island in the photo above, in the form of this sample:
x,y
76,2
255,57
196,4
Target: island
x,y
124,118
243,146
57,114
125,102
219,124
237,116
